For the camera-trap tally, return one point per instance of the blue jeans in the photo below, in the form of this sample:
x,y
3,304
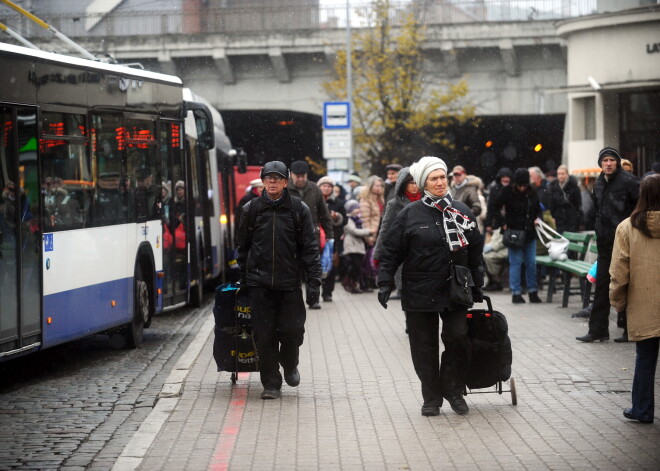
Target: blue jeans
x,y
643,382
517,257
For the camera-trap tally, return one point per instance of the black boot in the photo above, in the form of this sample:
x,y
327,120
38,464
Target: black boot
x,y
517,299
623,338
534,298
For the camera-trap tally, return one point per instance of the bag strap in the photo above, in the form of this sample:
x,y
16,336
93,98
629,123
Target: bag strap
x,y
546,233
253,213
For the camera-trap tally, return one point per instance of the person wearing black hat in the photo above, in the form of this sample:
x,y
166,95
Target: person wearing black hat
x,y
391,176
276,244
310,193
614,197
522,210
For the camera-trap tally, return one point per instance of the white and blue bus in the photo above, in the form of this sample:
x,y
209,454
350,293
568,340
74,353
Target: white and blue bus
x,y
115,200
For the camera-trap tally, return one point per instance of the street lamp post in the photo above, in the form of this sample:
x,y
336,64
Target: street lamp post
x,y
349,83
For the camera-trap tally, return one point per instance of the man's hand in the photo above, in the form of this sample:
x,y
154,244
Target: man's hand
x,y
477,295
384,295
313,293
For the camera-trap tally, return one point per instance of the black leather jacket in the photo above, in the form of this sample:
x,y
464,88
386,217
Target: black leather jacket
x,y
274,254
417,239
614,200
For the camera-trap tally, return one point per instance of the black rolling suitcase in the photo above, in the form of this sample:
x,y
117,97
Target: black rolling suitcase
x,y
234,346
490,364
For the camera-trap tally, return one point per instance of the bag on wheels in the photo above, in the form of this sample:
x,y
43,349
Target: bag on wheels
x,y
234,346
491,347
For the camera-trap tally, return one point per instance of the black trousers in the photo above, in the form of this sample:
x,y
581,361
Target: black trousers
x,y
328,283
599,321
439,380
279,321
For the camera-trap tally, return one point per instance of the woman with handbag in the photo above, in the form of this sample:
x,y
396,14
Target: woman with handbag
x,y
438,242
522,212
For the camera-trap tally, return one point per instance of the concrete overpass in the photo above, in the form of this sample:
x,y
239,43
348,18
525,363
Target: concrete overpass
x,y
508,65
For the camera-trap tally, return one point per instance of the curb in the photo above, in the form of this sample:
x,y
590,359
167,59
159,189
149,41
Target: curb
x,y
137,447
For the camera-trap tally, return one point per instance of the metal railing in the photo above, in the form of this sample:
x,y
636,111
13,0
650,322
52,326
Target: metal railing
x,y
295,18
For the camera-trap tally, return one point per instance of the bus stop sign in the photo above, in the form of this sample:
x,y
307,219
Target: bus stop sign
x,y
336,115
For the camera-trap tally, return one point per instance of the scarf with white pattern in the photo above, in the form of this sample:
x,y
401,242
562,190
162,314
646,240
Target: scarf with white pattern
x,y
455,222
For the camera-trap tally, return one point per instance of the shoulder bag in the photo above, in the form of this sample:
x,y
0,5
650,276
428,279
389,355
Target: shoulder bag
x,y
460,285
514,238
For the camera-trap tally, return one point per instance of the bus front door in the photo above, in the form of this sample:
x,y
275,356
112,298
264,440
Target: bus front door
x,y
20,231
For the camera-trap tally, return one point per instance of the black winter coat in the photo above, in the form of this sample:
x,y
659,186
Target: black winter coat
x,y
565,204
614,201
417,240
393,207
521,209
274,254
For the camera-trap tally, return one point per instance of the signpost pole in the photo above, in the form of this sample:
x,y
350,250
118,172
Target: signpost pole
x,y
349,83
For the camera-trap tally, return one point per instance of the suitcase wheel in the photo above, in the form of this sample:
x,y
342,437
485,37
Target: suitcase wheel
x,y
514,395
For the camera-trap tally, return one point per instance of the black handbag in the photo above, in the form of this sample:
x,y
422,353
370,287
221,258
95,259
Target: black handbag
x,y
514,238
460,285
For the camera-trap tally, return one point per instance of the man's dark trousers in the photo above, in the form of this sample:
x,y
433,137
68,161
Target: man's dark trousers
x,y
279,321
599,321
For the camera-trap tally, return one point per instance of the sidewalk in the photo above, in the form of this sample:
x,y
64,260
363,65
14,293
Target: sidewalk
x,y
358,403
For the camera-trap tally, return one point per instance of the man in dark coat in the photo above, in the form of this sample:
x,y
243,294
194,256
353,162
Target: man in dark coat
x,y
273,251
392,175
614,196
310,193
565,201
502,179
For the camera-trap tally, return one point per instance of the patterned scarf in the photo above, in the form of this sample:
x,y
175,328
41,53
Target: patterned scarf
x,y
455,222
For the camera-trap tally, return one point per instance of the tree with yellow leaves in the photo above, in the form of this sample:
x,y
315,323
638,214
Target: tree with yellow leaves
x,y
399,112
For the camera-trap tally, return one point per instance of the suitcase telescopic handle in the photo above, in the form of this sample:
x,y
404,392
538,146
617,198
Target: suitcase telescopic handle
x,y
488,302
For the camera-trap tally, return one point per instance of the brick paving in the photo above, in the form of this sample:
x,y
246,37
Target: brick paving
x,y
358,404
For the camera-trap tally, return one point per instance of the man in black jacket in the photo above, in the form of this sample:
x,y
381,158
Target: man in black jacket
x,y
614,196
276,242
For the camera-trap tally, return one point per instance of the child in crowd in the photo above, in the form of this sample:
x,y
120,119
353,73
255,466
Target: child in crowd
x,y
354,248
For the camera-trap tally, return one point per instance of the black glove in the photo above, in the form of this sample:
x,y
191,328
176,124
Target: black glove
x,y
477,295
313,294
384,295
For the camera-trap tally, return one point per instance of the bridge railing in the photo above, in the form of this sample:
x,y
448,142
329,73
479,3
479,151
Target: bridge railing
x,y
203,20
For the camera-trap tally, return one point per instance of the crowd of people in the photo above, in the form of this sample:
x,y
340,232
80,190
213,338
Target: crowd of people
x,y
408,234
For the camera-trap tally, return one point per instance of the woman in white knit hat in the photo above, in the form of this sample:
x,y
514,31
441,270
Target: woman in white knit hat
x,y
425,237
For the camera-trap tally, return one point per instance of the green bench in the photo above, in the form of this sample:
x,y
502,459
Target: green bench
x,y
574,266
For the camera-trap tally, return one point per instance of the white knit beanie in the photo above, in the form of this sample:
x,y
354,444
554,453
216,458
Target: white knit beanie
x,y
420,170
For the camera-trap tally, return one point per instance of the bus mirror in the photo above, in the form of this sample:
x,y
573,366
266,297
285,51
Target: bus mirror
x,y
204,124
241,161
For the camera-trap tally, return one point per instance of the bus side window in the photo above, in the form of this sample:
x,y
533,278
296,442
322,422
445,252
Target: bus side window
x,y
67,184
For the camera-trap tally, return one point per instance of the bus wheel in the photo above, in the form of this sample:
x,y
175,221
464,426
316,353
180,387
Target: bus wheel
x,y
135,330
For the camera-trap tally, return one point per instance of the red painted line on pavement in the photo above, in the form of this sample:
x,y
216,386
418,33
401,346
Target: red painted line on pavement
x,y
227,439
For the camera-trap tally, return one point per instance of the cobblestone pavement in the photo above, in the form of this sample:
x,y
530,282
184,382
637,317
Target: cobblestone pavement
x,y
358,404
76,406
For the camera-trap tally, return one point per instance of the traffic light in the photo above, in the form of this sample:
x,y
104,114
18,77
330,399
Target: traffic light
x,y
538,147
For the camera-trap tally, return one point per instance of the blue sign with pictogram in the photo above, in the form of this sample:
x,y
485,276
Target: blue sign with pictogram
x,y
336,115
48,242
